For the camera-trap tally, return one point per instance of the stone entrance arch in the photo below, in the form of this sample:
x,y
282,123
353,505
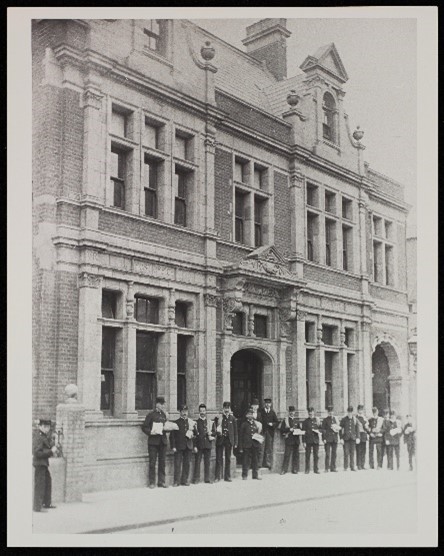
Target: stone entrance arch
x,y
386,375
250,377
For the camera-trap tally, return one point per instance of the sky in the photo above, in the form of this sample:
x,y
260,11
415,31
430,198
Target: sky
x,y
379,56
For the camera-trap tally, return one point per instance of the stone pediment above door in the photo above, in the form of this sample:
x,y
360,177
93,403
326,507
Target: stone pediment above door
x,y
265,265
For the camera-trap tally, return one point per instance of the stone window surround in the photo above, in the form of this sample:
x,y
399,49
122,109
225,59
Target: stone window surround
x,y
384,242
336,216
134,144
250,191
123,324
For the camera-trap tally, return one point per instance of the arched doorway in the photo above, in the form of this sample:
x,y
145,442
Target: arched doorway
x,y
246,375
381,384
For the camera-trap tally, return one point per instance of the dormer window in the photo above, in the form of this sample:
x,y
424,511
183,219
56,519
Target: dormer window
x,y
329,121
155,35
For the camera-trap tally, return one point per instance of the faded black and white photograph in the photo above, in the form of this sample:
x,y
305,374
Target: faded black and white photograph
x,y
223,270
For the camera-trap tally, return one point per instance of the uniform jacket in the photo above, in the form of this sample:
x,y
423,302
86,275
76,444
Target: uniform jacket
x,y
290,438
375,426
310,426
328,434
41,449
178,439
350,428
229,429
202,429
409,437
266,418
155,416
247,429
393,440
363,421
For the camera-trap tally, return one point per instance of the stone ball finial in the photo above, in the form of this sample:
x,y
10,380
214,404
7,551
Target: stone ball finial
x,y
71,391
207,52
358,134
292,98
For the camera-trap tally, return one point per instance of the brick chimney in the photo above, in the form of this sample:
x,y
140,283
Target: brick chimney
x,y
267,41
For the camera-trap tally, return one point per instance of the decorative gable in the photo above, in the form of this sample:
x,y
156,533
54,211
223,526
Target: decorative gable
x,y
328,60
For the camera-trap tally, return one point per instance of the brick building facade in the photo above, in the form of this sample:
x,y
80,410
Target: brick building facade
x,y
204,228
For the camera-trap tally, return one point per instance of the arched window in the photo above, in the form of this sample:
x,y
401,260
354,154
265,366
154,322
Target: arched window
x,y
329,123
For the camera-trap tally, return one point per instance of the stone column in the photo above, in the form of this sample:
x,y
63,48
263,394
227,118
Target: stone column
x,y
126,391
229,305
363,242
366,383
340,390
170,369
297,211
89,348
298,358
210,350
319,374
70,419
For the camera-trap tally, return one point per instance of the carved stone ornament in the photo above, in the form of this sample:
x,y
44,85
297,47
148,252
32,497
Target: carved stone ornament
x,y
260,291
87,280
285,317
171,313
92,99
267,266
301,316
207,51
210,143
211,300
293,98
358,134
230,305
130,308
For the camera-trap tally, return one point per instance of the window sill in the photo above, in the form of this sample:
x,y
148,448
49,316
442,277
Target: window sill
x,y
123,141
331,144
385,287
250,189
155,56
332,268
154,153
186,164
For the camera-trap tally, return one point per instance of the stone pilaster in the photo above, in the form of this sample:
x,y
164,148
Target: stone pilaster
x,y
297,208
89,348
318,380
170,369
363,243
298,358
210,300
366,384
340,377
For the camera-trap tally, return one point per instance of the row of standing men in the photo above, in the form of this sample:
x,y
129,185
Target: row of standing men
x,y
252,439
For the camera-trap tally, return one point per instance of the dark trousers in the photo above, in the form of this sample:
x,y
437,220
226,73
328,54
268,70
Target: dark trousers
x,y
223,449
250,457
42,487
361,450
371,454
293,452
411,453
182,465
390,450
308,450
268,450
330,456
206,453
349,454
154,453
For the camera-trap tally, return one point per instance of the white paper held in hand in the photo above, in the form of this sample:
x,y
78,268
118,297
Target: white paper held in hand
x,y
157,428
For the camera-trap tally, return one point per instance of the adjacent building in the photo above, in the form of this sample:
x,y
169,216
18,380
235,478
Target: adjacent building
x,y
205,228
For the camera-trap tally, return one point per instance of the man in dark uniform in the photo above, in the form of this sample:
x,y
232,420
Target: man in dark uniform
x,y
41,451
409,433
361,448
312,430
375,426
249,447
350,430
269,421
392,431
203,441
386,416
330,434
289,428
182,445
157,443
225,429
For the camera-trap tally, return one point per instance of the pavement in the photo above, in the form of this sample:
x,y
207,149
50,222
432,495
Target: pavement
x,y
231,505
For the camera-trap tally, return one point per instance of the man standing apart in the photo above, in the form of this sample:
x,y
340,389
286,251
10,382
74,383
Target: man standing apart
x,y
203,441
41,451
375,427
269,421
225,429
361,448
289,429
312,430
386,417
249,445
350,430
410,439
182,445
392,433
157,443
330,433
